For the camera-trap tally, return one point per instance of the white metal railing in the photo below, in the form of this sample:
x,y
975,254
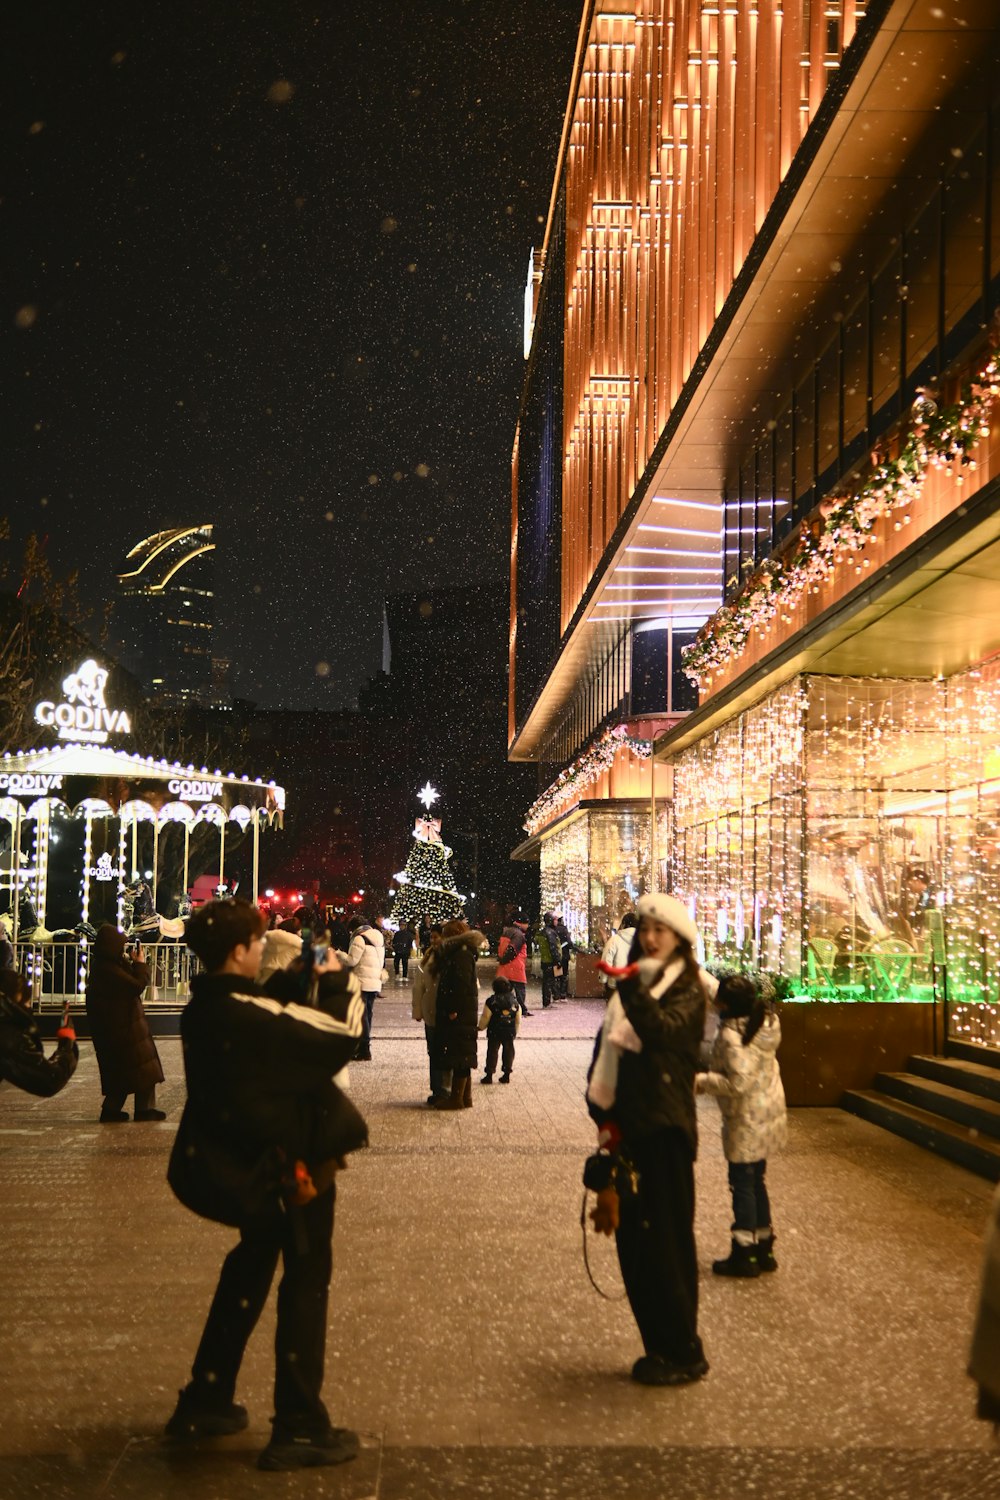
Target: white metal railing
x,y
58,972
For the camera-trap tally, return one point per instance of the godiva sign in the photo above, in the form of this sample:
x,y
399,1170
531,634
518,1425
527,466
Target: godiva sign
x,y
83,716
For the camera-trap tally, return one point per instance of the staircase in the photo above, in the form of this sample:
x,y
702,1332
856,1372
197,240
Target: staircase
x,y
950,1105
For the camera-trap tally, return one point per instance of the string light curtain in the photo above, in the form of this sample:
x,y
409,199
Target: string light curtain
x,y
846,832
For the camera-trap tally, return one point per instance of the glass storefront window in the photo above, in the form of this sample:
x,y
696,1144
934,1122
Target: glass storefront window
x,y
886,303
922,272
595,870
846,833
965,193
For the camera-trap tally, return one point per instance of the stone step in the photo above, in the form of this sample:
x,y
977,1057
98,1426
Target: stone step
x,y
975,1077
948,1099
977,1154
988,1057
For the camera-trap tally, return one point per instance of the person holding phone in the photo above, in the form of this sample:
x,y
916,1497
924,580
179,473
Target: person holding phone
x,y
126,1052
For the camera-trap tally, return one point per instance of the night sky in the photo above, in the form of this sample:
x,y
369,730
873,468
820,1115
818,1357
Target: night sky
x,y
265,267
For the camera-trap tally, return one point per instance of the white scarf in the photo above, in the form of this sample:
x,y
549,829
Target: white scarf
x,y
618,1035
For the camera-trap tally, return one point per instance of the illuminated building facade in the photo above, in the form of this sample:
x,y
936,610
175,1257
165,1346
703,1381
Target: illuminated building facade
x,y
775,234
685,124
164,614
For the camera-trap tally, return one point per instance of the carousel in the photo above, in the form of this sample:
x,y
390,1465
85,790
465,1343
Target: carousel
x,y
90,833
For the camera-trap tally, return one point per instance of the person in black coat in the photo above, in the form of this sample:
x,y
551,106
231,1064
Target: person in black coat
x,y
453,961
22,1060
126,1052
402,946
261,1090
641,1095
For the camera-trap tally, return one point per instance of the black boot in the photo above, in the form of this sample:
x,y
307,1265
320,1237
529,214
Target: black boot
x,y
741,1261
765,1251
454,1099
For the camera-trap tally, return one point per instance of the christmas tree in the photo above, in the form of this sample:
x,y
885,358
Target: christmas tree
x,y
427,886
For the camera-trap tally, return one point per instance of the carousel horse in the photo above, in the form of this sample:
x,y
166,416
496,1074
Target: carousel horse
x,y
142,922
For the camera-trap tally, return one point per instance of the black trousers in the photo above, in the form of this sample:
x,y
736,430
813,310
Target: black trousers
x,y
401,959
495,1042
303,1238
656,1248
550,984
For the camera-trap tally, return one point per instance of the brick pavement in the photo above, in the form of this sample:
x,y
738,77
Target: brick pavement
x,y
465,1342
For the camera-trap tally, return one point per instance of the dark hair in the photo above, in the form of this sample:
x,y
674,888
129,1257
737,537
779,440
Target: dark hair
x,y
628,920
738,998
502,986
357,922
684,951
14,985
218,927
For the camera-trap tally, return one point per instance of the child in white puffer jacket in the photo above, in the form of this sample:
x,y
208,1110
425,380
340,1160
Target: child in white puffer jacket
x,y
745,1078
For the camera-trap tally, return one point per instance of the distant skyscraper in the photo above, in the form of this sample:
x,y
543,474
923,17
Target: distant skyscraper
x,y
164,613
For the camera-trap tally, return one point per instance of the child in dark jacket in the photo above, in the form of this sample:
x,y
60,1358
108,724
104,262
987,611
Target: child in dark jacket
x,y
501,1018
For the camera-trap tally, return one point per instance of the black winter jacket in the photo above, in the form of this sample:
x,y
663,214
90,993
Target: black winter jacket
x,y
126,1052
22,1061
656,1086
457,1023
260,1073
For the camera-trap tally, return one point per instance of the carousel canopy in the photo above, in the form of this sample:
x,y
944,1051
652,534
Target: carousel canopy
x,y
113,783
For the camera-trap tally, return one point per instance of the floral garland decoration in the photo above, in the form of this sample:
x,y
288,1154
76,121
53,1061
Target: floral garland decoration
x,y
942,438
587,767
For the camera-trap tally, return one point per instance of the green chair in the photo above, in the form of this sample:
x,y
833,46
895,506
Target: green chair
x,y
890,964
821,957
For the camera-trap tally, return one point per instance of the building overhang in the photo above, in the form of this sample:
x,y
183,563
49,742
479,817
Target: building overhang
x,y
930,613
878,133
529,851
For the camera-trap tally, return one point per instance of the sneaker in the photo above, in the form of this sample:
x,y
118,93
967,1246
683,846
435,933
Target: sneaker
x,y
488,1078
192,1420
150,1114
337,1445
653,1369
505,1078
528,1013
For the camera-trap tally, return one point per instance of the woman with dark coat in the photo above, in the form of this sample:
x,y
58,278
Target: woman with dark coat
x,y
457,1008
641,1095
126,1053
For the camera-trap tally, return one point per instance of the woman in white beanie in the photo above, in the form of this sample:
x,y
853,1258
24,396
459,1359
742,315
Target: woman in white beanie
x,y
641,1095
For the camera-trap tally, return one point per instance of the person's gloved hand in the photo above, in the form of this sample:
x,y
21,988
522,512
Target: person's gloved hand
x,y
604,1215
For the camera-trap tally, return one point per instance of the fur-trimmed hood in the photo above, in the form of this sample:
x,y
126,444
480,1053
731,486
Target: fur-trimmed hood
x,y
473,939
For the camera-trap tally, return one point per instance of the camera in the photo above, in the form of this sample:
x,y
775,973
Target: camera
x,y
599,1172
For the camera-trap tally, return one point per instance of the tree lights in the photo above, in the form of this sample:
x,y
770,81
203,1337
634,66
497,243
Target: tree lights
x,y
427,886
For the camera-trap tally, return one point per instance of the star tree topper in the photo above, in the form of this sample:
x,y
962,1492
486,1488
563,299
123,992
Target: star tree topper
x,y
427,795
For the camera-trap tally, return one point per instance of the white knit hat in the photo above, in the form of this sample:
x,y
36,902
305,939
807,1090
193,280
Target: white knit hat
x,y
671,912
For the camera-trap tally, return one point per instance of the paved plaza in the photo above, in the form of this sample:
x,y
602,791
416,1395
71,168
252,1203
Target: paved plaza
x,y
466,1344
